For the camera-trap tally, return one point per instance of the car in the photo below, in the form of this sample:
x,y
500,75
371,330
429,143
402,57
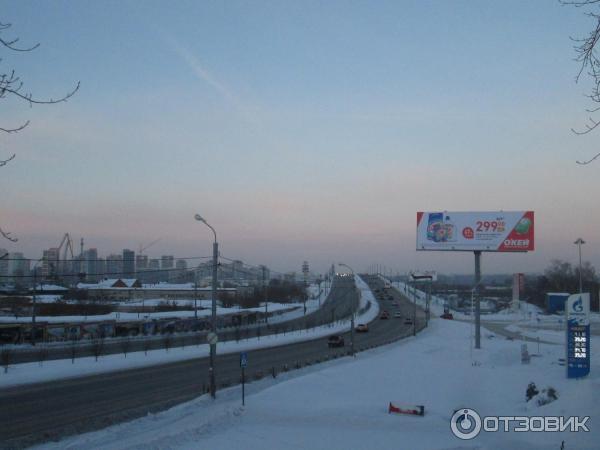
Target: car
x,y
408,321
447,315
362,328
335,341
385,315
397,315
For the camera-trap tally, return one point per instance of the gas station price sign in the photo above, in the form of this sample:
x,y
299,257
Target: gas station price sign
x,y
578,335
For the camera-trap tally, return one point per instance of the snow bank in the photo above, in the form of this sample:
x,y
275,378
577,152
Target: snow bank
x,y
343,404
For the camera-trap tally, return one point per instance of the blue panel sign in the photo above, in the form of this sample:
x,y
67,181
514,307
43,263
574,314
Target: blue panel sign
x,y
578,335
243,359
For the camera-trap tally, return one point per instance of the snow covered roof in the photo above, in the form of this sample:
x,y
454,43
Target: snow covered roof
x,y
111,283
50,287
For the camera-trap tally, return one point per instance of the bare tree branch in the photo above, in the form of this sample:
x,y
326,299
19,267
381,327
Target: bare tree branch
x,y
15,130
4,162
11,84
7,235
583,163
10,44
587,56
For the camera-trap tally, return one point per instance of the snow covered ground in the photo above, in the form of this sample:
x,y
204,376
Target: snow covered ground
x,y
343,404
26,373
527,312
127,316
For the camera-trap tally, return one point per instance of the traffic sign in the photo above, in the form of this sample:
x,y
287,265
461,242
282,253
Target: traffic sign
x,y
243,359
212,338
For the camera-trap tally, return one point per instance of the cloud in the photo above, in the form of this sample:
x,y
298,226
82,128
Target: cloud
x,y
205,75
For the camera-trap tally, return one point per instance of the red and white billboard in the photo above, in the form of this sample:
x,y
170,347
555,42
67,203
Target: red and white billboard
x,y
489,231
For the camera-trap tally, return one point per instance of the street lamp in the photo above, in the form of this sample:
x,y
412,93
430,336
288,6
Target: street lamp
x,y
578,242
33,326
213,324
352,315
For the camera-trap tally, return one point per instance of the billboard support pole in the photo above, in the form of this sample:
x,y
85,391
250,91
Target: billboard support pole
x,y
477,299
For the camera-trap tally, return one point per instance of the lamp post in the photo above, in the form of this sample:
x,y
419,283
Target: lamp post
x,y
33,327
213,322
352,315
578,242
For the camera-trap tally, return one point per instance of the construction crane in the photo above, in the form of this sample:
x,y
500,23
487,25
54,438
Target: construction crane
x,y
142,247
66,244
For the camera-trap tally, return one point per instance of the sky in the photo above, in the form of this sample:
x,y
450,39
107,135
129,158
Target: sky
x,y
300,130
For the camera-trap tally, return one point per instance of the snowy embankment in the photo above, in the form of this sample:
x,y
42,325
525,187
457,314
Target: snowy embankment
x,y
27,373
128,316
343,404
527,312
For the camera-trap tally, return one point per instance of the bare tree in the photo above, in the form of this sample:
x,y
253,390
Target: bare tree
x,y
146,343
587,56
167,341
11,86
6,358
42,354
97,347
125,345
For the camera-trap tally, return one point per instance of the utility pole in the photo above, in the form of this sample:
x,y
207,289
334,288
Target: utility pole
x,y
264,270
578,242
33,333
196,293
477,298
213,324
213,347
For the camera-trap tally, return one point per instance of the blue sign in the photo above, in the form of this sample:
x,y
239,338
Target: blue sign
x,y
243,359
578,335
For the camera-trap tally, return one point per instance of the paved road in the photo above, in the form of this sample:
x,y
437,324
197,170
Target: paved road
x,y
47,411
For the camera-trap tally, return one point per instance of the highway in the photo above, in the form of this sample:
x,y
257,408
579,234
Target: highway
x,y
50,411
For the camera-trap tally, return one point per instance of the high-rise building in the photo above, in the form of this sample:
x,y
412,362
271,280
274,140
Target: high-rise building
x,y
114,266
101,271
3,264
167,262
50,263
128,263
180,274
17,264
90,264
141,262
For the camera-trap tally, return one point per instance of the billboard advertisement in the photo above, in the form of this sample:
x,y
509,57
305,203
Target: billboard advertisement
x,y
489,231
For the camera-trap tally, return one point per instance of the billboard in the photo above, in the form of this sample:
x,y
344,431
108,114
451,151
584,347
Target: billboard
x,y
489,231
427,275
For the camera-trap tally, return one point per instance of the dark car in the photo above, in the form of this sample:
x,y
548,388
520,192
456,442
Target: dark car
x,y
335,341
